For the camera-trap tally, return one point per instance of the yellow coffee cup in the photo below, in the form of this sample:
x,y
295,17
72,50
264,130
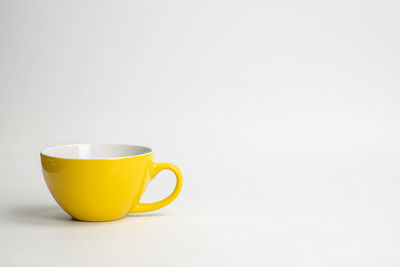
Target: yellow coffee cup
x,y
103,182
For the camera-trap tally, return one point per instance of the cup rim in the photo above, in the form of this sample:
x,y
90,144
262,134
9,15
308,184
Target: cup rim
x,y
45,151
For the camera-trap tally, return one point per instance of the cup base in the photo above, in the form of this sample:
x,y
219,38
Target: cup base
x,y
97,219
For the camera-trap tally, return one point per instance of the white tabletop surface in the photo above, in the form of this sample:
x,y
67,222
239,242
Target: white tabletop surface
x,y
284,117
347,219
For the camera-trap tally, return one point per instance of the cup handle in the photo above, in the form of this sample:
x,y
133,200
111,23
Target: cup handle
x,y
156,168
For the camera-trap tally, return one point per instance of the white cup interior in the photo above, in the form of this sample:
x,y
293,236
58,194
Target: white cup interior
x,y
95,151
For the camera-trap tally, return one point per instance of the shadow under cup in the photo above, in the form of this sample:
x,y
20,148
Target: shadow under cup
x,y
103,182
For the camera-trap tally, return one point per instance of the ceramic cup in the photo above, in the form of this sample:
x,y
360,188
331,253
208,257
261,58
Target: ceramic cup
x,y
103,182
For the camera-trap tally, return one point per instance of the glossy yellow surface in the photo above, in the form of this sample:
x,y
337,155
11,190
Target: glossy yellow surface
x,y
104,189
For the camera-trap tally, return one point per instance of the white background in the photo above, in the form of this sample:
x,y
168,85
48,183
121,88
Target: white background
x,y
284,117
